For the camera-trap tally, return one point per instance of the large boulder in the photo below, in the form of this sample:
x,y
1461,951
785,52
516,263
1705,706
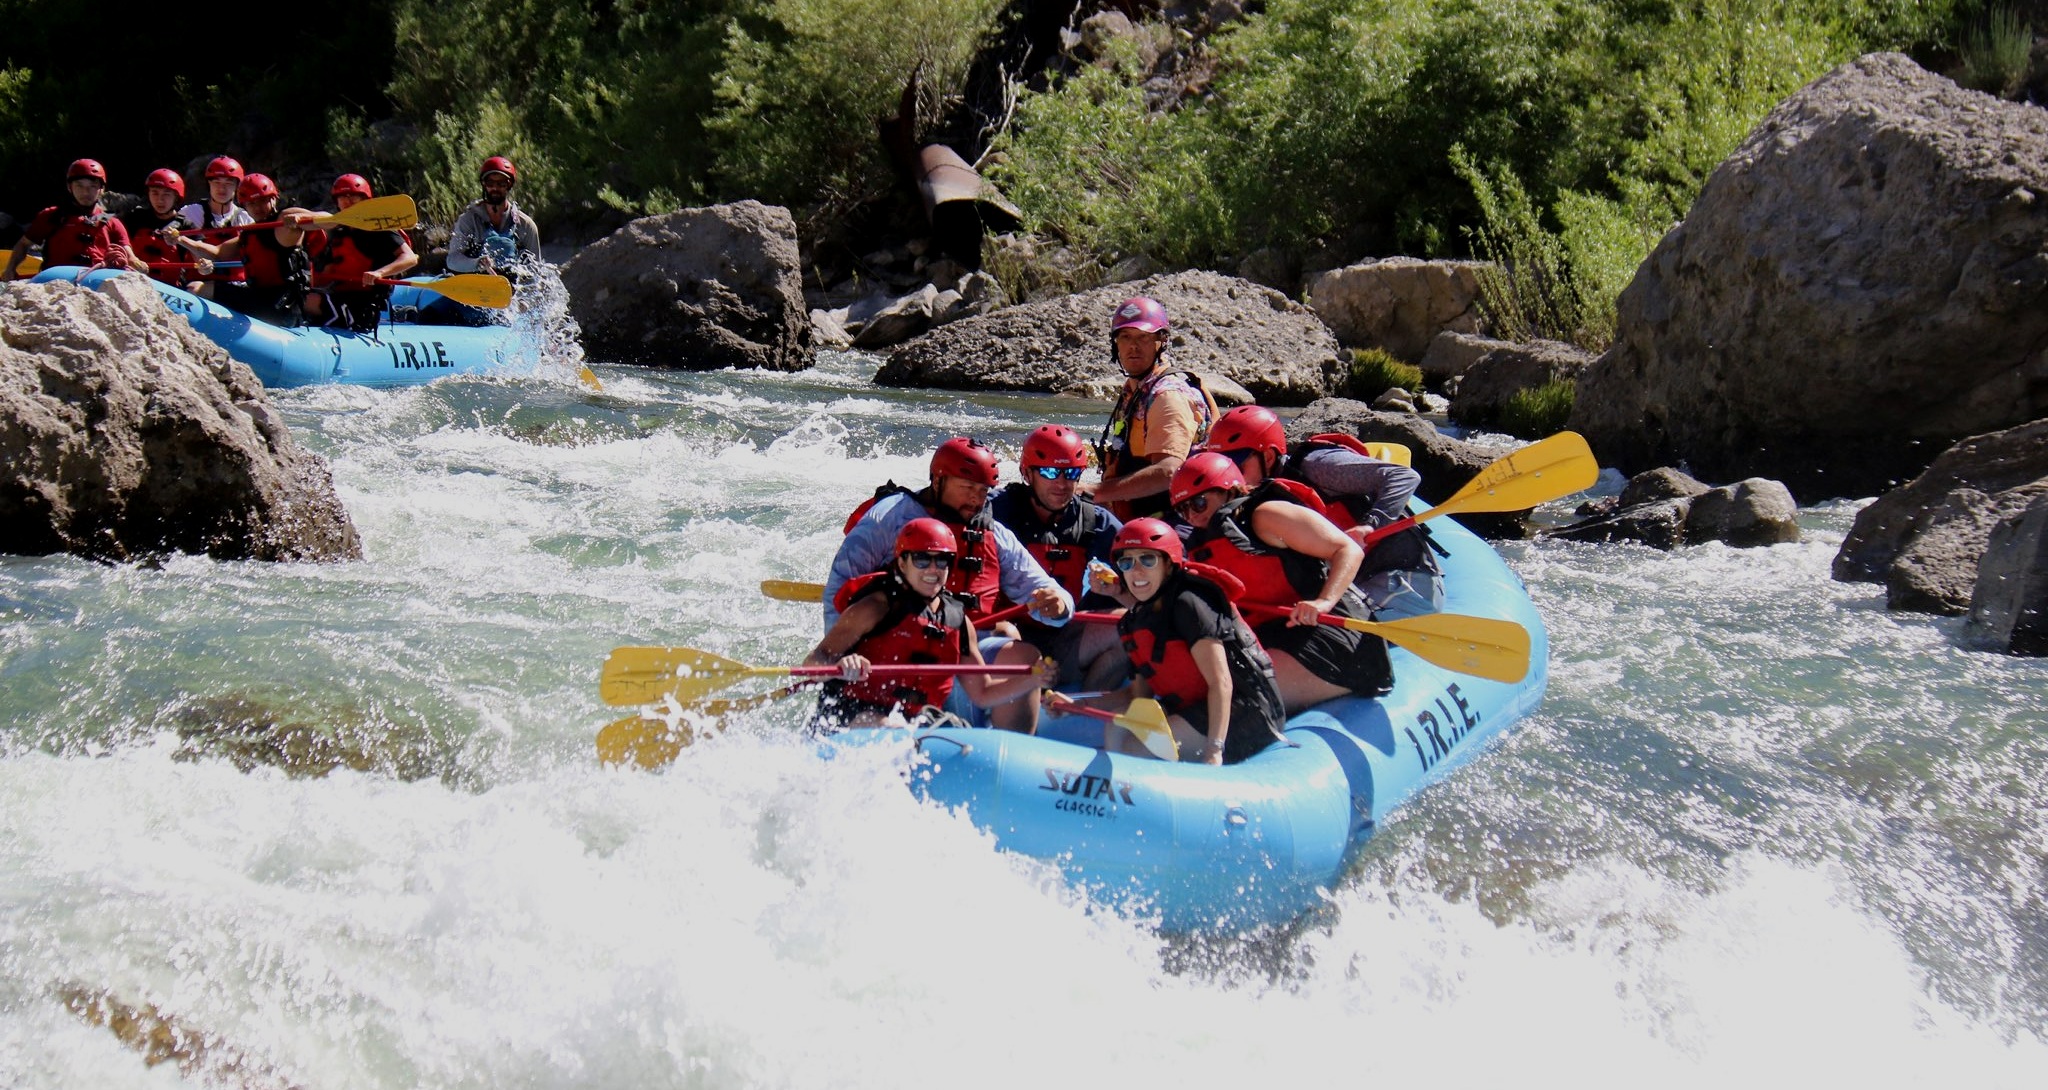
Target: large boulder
x,y
1398,303
698,289
1251,335
124,433
2009,607
1665,508
1861,284
1923,541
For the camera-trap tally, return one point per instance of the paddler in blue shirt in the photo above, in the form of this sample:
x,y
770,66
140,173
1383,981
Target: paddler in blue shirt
x,y
993,563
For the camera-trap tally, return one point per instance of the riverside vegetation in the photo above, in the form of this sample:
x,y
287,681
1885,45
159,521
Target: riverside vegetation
x,y
1559,138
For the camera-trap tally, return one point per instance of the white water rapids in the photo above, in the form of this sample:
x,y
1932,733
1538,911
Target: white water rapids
x,y
1761,833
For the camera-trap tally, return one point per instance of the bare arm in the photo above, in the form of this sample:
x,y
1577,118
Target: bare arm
x,y
851,627
1291,526
1215,668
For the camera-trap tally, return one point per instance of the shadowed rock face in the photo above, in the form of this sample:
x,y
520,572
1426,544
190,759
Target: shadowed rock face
x,y
1861,284
1924,541
125,433
698,289
1275,348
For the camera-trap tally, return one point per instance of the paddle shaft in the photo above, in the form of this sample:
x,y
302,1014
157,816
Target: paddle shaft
x,y
911,669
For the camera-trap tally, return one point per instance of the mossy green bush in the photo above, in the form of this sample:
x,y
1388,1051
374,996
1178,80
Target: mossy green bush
x,y
1541,412
1374,371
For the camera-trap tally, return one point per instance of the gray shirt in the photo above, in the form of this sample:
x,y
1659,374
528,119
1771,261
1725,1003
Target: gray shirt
x,y
473,232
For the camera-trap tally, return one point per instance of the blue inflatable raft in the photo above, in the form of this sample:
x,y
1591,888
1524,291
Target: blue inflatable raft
x,y
397,354
1261,842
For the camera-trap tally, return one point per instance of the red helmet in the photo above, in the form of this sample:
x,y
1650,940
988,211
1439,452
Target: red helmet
x,y
352,183
1149,534
1054,445
223,167
1249,427
499,164
926,535
85,168
254,186
965,458
1201,473
1138,313
165,178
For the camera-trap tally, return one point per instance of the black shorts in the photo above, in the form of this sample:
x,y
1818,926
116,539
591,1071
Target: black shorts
x,y
1256,720
1356,661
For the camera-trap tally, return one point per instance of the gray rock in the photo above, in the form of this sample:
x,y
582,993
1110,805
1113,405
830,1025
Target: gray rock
x,y
1486,387
1746,515
1862,283
1398,303
1649,486
1254,336
698,289
898,320
828,329
125,433
1395,400
1923,541
1451,354
2009,605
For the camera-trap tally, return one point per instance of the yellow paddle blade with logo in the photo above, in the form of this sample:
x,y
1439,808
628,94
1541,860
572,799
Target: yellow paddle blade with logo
x,y
1481,646
1545,470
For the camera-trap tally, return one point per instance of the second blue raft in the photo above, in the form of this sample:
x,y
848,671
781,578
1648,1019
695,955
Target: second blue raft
x,y
395,354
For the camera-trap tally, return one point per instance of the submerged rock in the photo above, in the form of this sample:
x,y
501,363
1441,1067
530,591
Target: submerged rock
x,y
1862,283
698,289
1221,325
1665,508
125,433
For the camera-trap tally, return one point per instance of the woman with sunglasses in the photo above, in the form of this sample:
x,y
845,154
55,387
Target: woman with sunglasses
x,y
1192,652
904,614
1296,563
1064,532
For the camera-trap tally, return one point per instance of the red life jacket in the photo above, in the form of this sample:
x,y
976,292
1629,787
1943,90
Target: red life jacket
x,y
270,263
978,572
74,237
1273,577
1166,660
913,629
143,225
344,254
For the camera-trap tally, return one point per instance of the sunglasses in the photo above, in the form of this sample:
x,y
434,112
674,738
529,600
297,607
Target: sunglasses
x,y
1138,560
921,561
1054,473
1195,505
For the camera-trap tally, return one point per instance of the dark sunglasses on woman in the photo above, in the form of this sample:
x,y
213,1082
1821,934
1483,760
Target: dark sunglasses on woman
x,y
921,561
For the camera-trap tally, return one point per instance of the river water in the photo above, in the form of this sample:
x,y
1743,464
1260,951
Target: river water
x,y
1761,832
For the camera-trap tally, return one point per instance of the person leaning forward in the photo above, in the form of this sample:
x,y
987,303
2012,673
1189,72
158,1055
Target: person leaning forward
x,y
348,263
1159,417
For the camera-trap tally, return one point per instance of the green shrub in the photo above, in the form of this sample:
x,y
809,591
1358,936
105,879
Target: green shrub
x,y
1374,371
1541,412
803,83
1995,53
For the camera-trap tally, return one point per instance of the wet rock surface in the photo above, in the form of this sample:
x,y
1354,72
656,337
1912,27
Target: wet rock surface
x,y
697,289
124,434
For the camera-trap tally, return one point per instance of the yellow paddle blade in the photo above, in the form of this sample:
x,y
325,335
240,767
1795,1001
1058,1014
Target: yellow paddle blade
x,y
476,289
790,591
649,741
1397,453
392,213
1545,470
29,266
642,675
589,378
643,742
1480,646
1147,719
